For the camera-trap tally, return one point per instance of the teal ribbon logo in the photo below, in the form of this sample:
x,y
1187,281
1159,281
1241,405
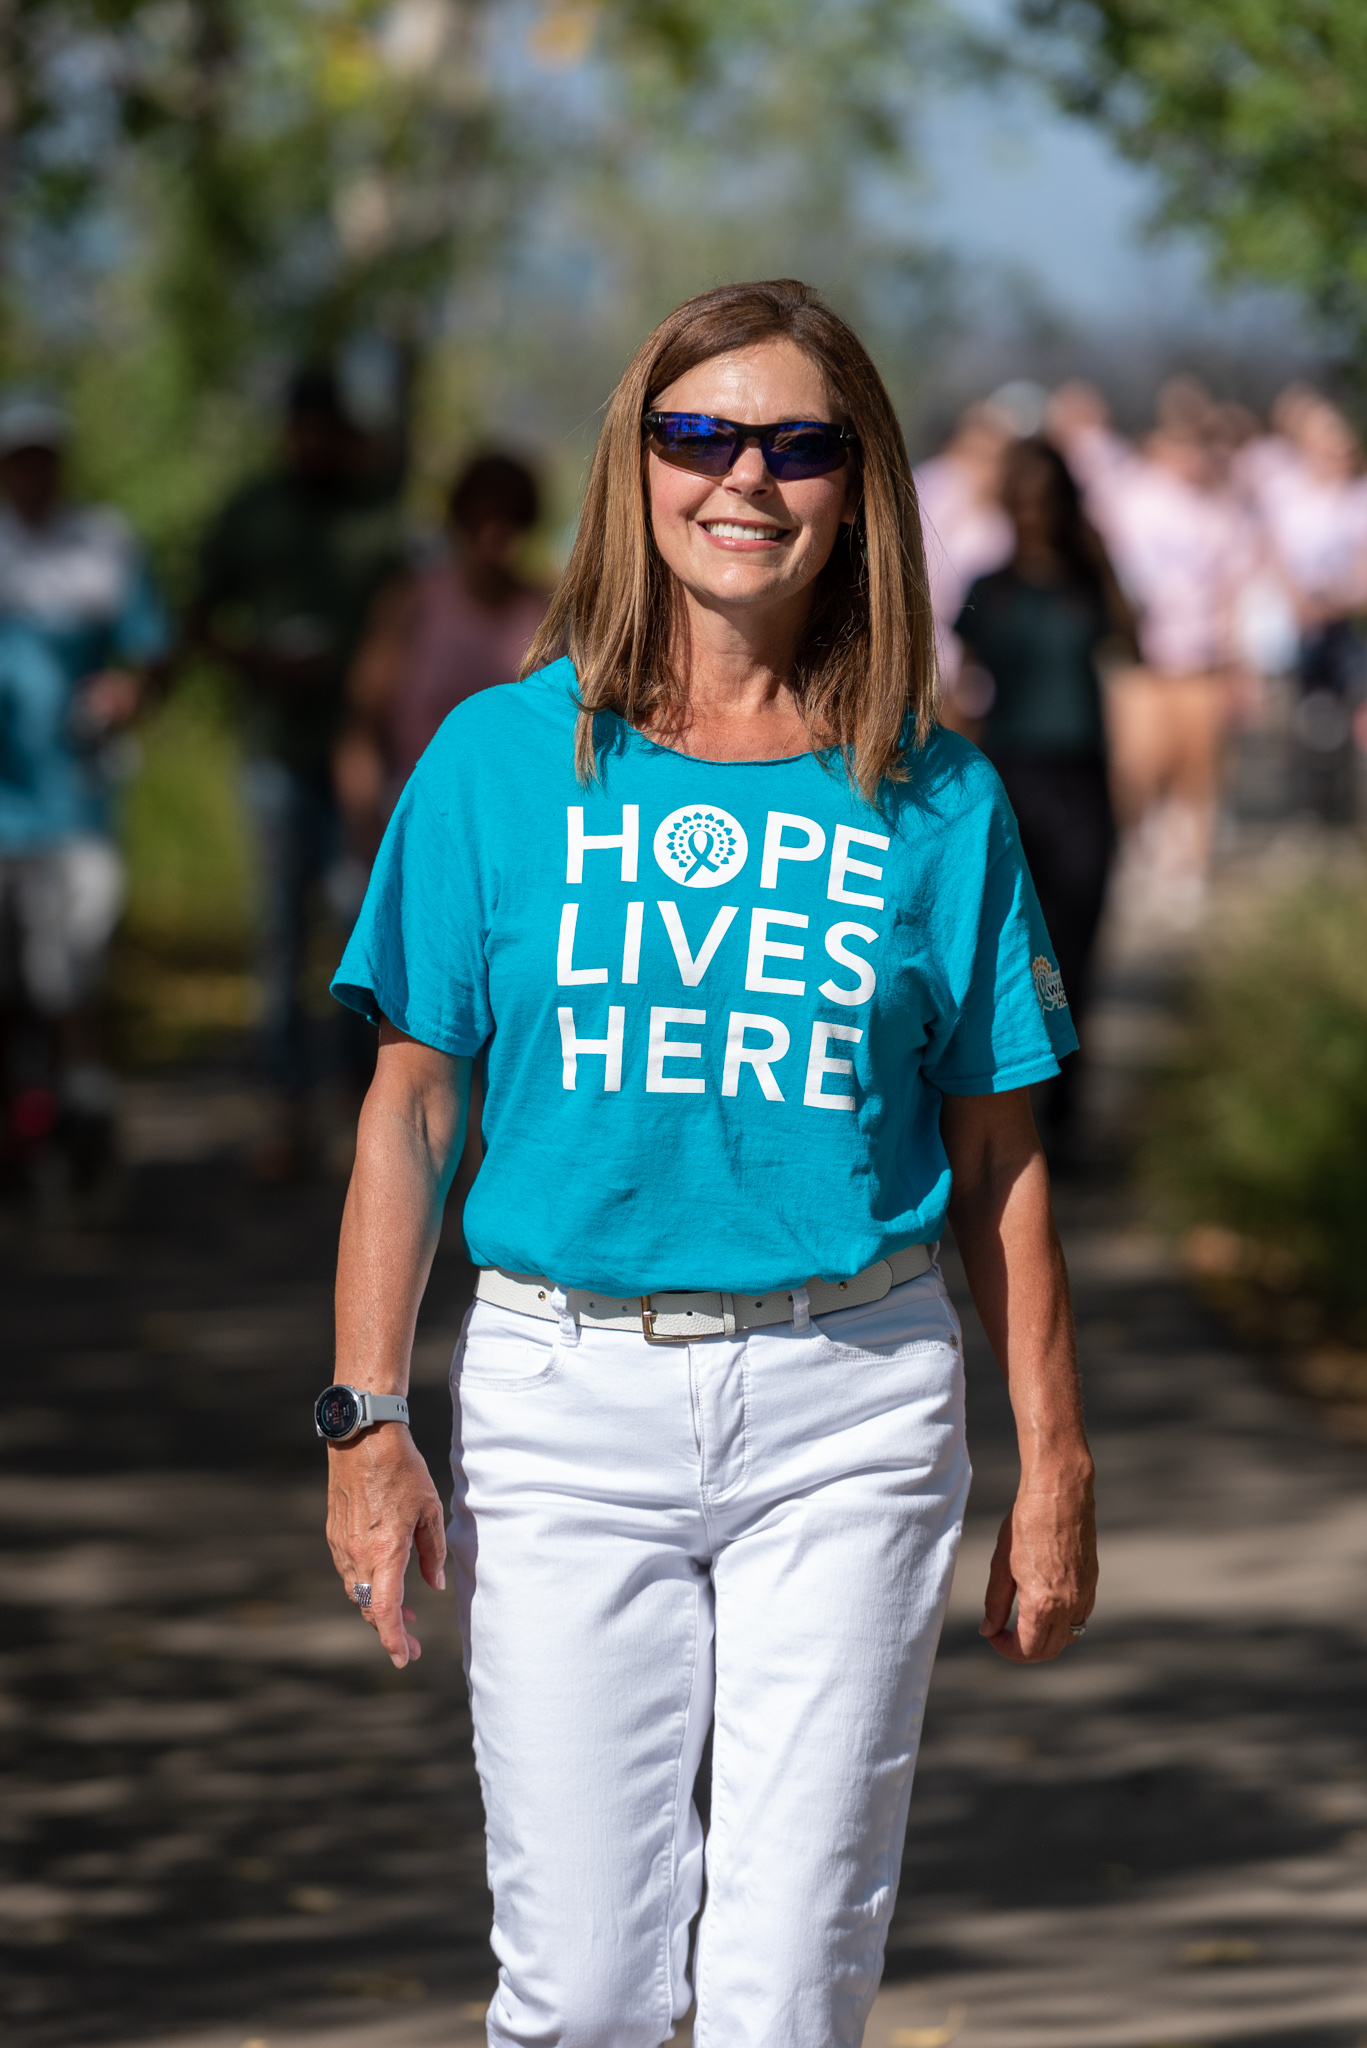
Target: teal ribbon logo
x,y
700,847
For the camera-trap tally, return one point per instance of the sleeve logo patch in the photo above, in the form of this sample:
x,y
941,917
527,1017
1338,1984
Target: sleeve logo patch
x,y
1048,984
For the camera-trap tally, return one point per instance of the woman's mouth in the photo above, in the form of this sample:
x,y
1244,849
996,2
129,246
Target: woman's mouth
x,y
734,533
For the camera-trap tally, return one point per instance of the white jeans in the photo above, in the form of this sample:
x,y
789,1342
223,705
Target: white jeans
x,y
760,1527
64,903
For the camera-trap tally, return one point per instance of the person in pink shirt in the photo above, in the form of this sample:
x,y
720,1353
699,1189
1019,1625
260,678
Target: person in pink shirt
x,y
1183,547
967,535
1312,497
458,624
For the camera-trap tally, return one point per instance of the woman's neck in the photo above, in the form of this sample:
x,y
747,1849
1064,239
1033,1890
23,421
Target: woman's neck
x,y
1037,562
738,670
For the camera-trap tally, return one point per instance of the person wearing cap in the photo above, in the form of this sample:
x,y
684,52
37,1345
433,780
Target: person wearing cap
x,y
287,574
81,624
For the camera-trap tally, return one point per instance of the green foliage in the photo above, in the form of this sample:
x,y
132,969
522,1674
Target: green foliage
x,y
151,441
184,833
1254,112
504,192
1262,1130
288,173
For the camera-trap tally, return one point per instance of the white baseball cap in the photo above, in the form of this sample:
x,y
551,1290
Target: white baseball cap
x,y
29,421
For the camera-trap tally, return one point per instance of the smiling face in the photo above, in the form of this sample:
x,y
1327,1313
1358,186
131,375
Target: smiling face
x,y
743,543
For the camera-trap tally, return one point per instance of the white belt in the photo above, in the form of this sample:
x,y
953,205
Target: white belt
x,y
682,1318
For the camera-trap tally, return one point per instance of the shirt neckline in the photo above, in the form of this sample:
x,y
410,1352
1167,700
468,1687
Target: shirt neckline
x,y
707,761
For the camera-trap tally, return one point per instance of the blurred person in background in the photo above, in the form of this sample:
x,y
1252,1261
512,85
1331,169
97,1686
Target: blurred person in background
x,y
288,572
1035,628
1307,483
459,624
437,634
81,627
966,534
1183,550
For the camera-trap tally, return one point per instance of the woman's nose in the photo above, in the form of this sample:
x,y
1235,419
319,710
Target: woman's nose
x,y
748,470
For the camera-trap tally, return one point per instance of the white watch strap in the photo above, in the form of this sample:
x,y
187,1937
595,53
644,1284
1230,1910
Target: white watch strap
x,y
383,1408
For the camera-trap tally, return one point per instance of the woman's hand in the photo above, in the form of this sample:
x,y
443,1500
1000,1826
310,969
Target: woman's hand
x,y
1004,1226
381,1501
1045,1558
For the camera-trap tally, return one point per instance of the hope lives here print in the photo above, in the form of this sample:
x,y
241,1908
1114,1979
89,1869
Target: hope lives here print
x,y
698,848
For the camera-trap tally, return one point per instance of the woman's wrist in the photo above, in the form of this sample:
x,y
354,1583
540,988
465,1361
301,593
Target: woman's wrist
x,y
382,1436
1062,1468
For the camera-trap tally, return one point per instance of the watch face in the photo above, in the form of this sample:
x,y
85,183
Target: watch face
x,y
338,1412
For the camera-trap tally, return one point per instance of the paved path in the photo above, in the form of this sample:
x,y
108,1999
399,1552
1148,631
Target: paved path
x,y
235,1826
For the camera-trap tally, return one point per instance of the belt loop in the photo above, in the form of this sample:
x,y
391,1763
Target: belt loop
x,y
802,1310
569,1328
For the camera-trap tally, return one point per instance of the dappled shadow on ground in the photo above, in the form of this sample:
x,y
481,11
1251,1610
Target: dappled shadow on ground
x,y
229,1810
226,1801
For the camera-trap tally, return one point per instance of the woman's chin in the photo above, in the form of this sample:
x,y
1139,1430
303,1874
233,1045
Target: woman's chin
x,y
745,585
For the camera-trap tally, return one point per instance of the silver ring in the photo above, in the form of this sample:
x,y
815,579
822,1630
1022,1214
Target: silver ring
x,y
1075,1628
362,1595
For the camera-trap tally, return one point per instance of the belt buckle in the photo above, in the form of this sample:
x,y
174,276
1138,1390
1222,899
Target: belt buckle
x,y
648,1315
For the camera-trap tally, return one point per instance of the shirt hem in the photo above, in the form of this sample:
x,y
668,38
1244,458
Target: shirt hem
x,y
1000,1079
373,1006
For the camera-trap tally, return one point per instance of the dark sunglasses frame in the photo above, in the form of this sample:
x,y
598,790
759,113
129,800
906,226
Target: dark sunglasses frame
x,y
715,445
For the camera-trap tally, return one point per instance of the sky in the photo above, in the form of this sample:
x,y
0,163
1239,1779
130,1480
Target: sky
x,y
1016,183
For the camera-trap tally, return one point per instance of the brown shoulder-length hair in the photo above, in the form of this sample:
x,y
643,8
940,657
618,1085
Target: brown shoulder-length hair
x,y
867,658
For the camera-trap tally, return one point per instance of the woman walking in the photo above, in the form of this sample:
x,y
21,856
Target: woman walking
x,y
1035,628
753,965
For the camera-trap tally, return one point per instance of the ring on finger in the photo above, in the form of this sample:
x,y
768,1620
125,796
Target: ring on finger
x,y
362,1594
1076,1629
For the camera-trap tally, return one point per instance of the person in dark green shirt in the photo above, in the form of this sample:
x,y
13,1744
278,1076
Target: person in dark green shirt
x,y
1035,628
288,571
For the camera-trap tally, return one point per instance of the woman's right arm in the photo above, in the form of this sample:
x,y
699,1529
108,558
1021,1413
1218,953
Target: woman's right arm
x,y
381,1499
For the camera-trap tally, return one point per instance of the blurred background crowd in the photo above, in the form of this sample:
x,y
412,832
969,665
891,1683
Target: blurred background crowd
x,y
306,314
308,311
1110,608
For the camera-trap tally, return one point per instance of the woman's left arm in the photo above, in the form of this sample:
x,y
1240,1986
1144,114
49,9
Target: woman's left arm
x,y
1004,1227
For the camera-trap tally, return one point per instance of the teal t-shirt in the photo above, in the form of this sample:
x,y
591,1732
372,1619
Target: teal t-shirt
x,y
719,1002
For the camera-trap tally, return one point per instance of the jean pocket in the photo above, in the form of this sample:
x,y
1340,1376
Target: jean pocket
x,y
917,1316
506,1352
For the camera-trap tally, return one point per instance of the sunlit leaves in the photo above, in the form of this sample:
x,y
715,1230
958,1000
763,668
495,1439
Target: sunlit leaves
x,y
1254,111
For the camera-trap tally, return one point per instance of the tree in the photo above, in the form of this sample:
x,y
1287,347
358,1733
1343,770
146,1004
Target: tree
x,y
1254,112
193,192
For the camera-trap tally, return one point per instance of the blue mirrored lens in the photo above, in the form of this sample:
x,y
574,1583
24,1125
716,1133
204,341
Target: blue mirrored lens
x,y
710,446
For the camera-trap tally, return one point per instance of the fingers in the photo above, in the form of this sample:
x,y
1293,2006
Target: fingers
x,y
1001,1587
1034,1640
1041,1633
1046,1557
381,1501
391,1620
430,1540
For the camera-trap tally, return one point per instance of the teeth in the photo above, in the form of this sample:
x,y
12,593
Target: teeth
x,y
731,529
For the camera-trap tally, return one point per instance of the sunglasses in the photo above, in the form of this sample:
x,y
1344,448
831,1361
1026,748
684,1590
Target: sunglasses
x,y
792,449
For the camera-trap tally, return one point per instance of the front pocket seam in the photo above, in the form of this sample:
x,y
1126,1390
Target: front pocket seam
x,y
888,1352
513,1383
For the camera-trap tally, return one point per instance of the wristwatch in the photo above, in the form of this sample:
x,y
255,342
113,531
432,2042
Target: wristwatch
x,y
341,1413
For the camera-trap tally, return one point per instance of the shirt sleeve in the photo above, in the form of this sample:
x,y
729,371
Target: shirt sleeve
x,y
1008,1024
417,954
